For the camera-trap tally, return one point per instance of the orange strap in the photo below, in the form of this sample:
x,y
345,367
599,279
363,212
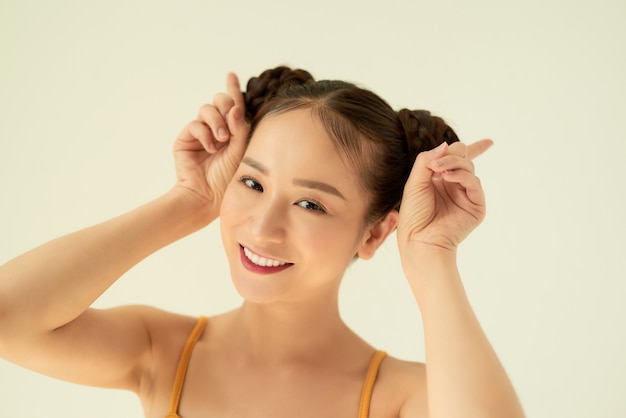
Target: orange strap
x,y
183,364
368,386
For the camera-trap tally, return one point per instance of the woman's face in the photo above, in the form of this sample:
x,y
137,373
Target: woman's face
x,y
292,216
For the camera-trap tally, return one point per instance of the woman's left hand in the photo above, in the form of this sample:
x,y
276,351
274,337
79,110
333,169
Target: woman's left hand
x,y
443,199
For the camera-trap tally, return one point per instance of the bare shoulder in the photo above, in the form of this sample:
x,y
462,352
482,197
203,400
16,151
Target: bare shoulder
x,y
402,369
163,324
168,333
403,384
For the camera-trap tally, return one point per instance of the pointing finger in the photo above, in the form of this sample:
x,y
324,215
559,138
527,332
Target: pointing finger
x,y
223,102
240,130
477,148
458,148
234,90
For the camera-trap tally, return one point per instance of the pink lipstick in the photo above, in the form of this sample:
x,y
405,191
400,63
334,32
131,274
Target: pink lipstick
x,y
261,265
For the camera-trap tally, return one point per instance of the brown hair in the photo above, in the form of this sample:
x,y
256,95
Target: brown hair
x,y
380,143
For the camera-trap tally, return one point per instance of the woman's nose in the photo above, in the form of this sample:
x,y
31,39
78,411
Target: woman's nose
x,y
267,223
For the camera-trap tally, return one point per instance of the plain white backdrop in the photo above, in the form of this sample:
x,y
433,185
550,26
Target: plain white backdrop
x,y
92,95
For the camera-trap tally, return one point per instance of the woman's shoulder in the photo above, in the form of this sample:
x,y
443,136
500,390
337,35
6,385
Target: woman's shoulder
x,y
168,333
159,320
402,371
402,383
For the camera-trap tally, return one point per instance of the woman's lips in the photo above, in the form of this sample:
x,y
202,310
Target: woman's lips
x,y
261,265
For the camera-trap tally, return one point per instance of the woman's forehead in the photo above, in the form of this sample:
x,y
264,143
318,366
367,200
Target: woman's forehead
x,y
296,142
297,133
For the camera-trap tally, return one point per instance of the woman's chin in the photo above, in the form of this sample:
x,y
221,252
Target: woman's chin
x,y
261,290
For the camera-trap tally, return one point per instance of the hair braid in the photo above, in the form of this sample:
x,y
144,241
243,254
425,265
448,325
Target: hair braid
x,y
424,131
261,89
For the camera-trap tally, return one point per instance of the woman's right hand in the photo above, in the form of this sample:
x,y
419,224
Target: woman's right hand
x,y
208,151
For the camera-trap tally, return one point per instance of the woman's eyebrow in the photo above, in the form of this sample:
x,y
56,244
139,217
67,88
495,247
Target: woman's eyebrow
x,y
250,162
318,185
309,184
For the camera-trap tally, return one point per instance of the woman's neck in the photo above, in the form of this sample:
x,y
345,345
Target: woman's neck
x,y
285,332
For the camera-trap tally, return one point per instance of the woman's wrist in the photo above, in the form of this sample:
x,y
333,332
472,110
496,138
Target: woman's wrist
x,y
192,212
430,269
421,260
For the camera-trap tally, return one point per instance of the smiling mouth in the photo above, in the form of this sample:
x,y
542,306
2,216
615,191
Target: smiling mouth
x,y
262,261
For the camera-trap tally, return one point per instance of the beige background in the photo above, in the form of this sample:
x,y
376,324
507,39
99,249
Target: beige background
x,y
92,95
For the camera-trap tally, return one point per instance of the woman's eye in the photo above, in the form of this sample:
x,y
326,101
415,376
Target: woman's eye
x,y
312,206
251,184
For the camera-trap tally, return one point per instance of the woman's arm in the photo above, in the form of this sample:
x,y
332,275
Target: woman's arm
x,y
45,294
45,321
53,284
443,202
463,373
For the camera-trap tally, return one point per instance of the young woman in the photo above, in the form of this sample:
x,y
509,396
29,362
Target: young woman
x,y
305,176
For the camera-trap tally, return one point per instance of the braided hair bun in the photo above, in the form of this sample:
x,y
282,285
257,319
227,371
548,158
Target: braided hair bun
x,y
263,88
424,131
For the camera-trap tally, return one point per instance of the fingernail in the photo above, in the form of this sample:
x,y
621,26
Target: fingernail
x,y
222,134
440,150
436,163
237,113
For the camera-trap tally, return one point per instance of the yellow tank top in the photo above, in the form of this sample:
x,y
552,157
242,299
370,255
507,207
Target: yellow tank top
x,y
183,364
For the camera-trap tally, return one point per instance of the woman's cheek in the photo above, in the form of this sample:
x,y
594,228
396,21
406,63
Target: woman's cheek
x,y
229,201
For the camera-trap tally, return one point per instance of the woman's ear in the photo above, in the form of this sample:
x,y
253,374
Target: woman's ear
x,y
376,234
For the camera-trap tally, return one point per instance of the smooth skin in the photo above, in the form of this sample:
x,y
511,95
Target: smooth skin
x,y
285,352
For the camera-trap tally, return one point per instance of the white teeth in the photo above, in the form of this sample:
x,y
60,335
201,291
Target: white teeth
x,y
262,261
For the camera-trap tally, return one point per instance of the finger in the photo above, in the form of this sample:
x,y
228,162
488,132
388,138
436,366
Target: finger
x,y
451,162
421,174
458,149
210,115
197,136
240,131
477,148
234,90
223,102
469,183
